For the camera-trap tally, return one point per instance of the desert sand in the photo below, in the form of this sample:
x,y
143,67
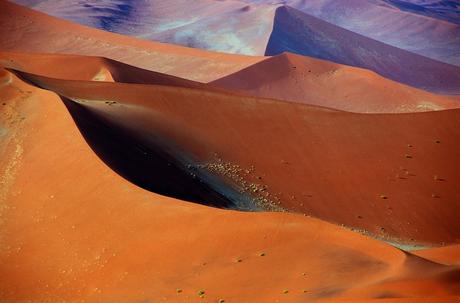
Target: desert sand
x,y
286,77
318,82
25,30
150,247
134,171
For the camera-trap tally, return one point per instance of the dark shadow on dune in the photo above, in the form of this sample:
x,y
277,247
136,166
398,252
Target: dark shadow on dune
x,y
147,167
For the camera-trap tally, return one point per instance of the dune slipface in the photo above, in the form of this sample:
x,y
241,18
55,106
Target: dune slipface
x,y
136,171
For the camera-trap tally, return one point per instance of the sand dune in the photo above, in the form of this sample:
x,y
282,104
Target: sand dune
x,y
297,78
76,67
59,192
317,82
416,26
405,158
25,30
448,255
301,33
402,24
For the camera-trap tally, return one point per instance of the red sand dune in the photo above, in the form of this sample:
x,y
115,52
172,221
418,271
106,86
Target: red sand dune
x,y
390,174
448,255
317,82
26,30
73,230
286,77
76,67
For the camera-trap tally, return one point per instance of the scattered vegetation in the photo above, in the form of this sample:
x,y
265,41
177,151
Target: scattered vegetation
x,y
201,293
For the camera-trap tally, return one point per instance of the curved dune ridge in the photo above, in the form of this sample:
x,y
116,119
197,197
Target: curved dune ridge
x,y
307,80
286,77
135,171
405,159
25,30
77,67
57,186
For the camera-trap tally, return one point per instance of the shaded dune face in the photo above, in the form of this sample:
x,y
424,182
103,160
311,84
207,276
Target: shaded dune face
x,y
147,166
311,166
300,33
444,10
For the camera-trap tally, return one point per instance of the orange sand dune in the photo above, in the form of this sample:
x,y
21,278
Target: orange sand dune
x,y
77,67
390,174
72,230
445,255
321,83
313,81
26,30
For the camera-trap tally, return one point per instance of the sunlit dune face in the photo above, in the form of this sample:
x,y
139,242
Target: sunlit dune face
x,y
103,75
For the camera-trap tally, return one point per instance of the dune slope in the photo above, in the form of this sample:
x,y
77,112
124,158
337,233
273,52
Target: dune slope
x,y
26,30
416,26
298,32
311,81
77,67
297,78
154,248
365,171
